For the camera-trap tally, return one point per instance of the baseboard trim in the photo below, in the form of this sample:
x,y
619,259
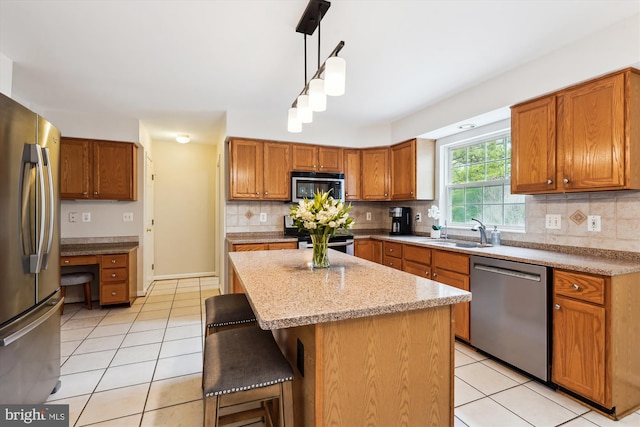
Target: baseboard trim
x,y
185,275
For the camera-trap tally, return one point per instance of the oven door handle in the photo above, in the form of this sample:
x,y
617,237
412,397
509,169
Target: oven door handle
x,y
333,245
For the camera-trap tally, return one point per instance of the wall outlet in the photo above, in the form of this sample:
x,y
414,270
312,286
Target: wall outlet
x,y
73,216
368,216
418,217
127,217
263,217
593,223
553,222
86,216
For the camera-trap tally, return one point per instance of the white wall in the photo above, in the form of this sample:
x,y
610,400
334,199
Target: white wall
x,y
184,209
6,74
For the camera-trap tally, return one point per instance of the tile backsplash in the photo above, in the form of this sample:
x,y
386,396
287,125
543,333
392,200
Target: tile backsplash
x,y
619,212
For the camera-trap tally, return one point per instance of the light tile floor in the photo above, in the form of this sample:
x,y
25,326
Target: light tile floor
x,y
142,366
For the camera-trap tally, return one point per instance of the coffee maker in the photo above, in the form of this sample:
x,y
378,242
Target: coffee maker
x,y
400,220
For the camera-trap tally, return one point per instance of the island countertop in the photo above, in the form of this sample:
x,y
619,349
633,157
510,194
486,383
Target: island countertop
x,y
285,291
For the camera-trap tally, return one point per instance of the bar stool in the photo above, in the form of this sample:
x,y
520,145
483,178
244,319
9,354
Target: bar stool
x,y
227,312
245,365
72,279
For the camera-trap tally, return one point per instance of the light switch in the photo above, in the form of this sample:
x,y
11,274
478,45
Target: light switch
x,y
73,216
593,223
127,217
368,216
263,217
552,222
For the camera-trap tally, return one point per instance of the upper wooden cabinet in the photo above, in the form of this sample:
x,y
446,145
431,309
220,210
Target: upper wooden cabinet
x,y
583,138
375,173
413,170
352,166
98,170
259,170
316,158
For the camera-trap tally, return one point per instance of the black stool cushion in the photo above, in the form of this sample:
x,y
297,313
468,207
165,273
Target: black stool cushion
x,y
242,359
228,309
71,279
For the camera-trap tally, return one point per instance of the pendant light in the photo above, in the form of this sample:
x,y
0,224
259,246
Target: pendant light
x,y
313,96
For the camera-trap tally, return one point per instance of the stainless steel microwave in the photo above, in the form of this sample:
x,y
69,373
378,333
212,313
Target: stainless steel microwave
x,y
306,184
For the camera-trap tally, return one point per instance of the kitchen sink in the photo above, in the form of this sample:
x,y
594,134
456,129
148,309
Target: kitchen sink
x,y
451,243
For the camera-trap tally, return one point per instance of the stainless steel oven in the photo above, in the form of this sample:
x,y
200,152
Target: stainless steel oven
x,y
306,184
340,242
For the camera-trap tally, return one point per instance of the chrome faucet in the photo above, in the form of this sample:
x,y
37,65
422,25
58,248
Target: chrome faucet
x,y
482,229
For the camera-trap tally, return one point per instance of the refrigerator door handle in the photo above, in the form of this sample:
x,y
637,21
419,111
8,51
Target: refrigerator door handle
x,y
35,157
48,208
13,337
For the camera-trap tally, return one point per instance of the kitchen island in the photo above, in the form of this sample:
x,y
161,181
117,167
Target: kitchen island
x,y
369,345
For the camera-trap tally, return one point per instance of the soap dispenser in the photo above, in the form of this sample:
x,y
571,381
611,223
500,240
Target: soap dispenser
x,y
495,236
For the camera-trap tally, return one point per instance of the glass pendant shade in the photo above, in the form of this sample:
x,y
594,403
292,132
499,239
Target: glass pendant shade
x,y
305,115
317,97
334,76
293,125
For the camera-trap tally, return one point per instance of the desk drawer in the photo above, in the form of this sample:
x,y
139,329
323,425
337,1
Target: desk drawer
x,y
78,260
113,293
113,261
113,275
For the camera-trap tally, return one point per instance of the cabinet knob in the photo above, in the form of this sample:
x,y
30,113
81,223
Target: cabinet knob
x,y
258,193
346,194
566,180
435,274
426,273
66,261
411,193
390,249
113,261
266,193
390,264
576,287
549,181
113,274
95,192
113,293
385,194
314,166
84,193
557,306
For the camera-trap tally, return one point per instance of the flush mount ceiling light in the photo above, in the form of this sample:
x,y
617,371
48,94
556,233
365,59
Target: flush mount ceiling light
x,y
313,96
183,139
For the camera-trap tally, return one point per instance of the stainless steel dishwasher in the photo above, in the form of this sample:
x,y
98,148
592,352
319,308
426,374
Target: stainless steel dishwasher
x,y
510,313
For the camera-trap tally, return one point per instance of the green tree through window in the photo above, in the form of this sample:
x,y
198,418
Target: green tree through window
x,y
478,184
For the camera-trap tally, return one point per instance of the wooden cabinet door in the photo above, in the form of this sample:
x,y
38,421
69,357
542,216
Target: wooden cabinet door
x,y
304,157
276,167
368,249
375,173
579,348
352,167
591,120
75,166
330,159
403,170
533,156
114,171
246,163
461,311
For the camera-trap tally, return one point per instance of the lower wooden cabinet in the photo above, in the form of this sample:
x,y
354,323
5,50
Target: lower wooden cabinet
x,y
236,287
416,260
453,269
118,274
596,338
368,249
392,255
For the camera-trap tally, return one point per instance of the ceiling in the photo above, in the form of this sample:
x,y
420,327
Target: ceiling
x,y
180,65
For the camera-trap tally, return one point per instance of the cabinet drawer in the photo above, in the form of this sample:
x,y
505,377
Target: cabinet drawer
x,y
114,261
580,286
78,260
417,254
283,245
393,262
113,293
417,268
393,249
113,275
451,261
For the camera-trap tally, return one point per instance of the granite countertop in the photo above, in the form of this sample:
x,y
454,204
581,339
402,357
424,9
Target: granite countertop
x,y
587,260
284,291
97,245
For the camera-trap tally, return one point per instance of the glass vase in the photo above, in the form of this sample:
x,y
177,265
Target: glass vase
x,y
320,247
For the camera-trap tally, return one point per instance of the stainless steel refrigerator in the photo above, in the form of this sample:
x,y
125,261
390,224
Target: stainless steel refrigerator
x,y
30,299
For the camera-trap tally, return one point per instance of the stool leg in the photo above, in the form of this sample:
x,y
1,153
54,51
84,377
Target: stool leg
x,y
87,293
63,291
211,411
287,404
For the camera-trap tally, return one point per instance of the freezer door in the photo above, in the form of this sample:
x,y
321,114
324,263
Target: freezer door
x,y
30,355
48,280
17,284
